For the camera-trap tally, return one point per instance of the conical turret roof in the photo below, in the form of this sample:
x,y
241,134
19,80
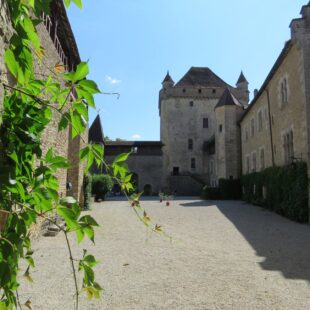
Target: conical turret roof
x,y
242,78
228,99
168,78
95,131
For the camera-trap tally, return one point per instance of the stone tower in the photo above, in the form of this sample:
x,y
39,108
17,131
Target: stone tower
x,y
188,127
228,112
243,89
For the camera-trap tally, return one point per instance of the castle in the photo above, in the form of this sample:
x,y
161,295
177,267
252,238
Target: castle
x,y
209,130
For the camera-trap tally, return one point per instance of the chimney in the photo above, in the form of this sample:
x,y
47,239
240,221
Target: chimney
x,y
255,92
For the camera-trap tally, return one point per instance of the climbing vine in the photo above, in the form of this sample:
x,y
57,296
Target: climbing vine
x,y
29,188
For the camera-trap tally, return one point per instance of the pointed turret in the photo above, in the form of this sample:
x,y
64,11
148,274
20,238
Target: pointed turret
x,y
242,85
168,81
95,131
241,79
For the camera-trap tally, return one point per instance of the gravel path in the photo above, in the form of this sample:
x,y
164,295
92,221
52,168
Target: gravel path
x,y
224,255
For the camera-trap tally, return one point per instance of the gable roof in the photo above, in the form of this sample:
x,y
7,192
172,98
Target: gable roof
x,y
228,99
201,76
95,131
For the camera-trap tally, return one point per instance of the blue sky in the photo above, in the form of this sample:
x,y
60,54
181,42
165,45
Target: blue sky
x,y
130,46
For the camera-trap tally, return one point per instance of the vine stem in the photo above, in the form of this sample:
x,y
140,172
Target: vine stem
x,y
70,254
18,301
74,272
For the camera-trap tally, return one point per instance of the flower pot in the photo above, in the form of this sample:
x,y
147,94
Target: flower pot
x,y
167,203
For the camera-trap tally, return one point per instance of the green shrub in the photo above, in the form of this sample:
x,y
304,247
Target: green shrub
x,y
211,193
227,189
286,190
230,189
101,184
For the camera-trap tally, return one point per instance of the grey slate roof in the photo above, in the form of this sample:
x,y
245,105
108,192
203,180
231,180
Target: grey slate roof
x,y
241,78
95,131
228,99
201,76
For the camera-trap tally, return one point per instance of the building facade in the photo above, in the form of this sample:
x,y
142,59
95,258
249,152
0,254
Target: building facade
x,y
60,48
276,126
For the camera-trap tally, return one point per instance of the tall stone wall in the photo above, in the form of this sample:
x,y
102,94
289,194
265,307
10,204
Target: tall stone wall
x,y
51,138
284,117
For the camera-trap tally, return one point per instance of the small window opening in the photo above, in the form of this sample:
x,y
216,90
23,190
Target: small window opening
x,y
175,171
191,103
205,122
199,91
184,90
220,128
213,91
190,144
193,163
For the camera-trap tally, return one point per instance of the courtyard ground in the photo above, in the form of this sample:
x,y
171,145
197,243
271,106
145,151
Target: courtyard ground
x,y
223,255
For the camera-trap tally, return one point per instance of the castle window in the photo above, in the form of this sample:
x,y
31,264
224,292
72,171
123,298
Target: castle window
x,y
220,128
246,134
205,122
284,96
184,90
190,144
193,163
288,147
254,162
191,103
260,121
199,91
262,159
213,91
252,127
175,171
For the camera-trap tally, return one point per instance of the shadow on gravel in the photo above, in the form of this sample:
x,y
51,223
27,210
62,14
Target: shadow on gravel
x,y
284,244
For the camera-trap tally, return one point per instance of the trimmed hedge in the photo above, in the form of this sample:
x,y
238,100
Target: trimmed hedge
x,y
227,190
101,185
283,190
87,184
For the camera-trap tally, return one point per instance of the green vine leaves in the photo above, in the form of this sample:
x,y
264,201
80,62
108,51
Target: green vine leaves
x,y
29,187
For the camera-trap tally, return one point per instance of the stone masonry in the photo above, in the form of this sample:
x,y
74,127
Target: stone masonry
x,y
59,45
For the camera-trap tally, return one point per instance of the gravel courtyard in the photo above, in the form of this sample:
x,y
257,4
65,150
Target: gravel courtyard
x,y
223,255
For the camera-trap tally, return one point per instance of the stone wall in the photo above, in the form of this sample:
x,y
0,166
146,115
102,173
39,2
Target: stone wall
x,y
180,122
51,138
283,117
148,168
